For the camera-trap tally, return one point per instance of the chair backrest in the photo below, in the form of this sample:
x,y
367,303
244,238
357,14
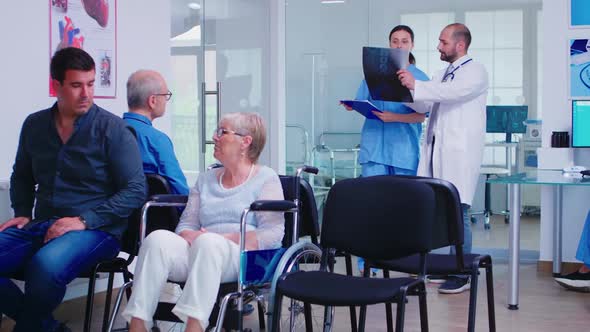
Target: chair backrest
x,y
379,218
448,228
308,211
159,217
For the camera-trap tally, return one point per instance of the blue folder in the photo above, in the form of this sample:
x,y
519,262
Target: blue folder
x,y
364,107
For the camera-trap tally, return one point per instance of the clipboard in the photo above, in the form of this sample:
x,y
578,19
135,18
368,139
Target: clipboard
x,y
364,107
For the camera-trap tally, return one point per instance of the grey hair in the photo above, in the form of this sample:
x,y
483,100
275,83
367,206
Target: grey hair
x,y
140,86
250,124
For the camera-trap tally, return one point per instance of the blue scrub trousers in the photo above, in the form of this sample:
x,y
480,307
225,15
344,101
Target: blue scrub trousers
x,y
372,169
47,269
583,252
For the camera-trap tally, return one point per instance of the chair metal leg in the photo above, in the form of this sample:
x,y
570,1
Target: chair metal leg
x,y
423,307
107,304
261,315
308,317
490,288
240,317
473,299
90,300
362,318
352,309
388,308
487,204
401,310
276,312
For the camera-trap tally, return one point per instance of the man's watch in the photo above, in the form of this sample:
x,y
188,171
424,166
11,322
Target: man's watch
x,y
82,220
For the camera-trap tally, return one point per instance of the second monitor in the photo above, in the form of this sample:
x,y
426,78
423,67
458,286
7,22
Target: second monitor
x,y
506,119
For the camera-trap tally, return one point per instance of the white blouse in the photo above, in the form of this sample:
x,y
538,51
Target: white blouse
x,y
218,209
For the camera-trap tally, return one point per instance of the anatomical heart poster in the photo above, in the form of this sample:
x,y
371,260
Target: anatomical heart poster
x,y
92,26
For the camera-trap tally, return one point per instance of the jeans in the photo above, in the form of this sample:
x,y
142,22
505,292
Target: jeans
x,y
46,269
583,252
467,236
373,169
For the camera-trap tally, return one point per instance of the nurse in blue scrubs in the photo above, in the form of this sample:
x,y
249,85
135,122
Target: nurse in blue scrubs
x,y
391,145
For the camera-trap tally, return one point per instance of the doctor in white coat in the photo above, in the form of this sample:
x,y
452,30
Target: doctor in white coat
x,y
454,143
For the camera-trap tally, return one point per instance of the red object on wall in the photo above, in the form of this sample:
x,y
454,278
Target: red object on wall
x,y
98,10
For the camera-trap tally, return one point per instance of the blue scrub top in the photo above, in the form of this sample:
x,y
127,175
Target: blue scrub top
x,y
390,143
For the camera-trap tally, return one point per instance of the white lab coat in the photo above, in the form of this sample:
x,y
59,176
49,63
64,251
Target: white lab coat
x,y
460,125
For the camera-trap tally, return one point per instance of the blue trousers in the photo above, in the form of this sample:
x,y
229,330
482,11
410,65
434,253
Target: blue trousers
x,y
373,169
467,236
583,253
46,268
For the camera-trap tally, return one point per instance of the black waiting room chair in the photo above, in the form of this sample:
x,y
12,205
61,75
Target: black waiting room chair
x,y
378,218
448,231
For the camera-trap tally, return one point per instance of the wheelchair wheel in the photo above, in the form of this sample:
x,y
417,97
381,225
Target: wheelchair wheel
x,y
302,256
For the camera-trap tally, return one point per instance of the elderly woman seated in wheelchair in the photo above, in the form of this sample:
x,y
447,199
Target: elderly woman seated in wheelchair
x,y
204,250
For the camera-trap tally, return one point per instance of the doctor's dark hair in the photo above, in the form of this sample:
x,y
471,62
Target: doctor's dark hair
x,y
461,32
409,30
70,58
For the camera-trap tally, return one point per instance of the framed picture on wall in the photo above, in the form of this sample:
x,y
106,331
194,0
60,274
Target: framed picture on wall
x,y
579,68
579,13
92,26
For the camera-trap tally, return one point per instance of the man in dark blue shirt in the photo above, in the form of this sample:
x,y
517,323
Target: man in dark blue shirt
x,y
147,96
79,167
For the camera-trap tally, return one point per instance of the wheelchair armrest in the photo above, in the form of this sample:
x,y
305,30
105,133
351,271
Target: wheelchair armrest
x,y
272,205
167,198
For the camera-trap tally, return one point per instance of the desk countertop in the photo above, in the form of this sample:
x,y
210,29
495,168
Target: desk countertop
x,y
547,177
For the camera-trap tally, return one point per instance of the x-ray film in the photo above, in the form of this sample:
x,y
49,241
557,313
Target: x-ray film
x,y
380,66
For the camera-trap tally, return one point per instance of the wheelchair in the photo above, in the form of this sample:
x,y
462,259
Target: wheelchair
x,y
255,282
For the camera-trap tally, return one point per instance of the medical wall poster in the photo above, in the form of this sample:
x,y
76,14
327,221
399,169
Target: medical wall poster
x,y
380,66
579,13
92,26
580,68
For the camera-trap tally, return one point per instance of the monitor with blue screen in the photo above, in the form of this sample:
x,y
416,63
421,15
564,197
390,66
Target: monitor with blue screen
x,y
581,123
506,119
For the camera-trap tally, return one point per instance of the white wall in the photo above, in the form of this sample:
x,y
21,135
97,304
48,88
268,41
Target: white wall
x,y
142,42
556,117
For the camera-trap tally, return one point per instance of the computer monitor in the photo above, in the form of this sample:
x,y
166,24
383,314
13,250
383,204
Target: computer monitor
x,y
506,119
580,123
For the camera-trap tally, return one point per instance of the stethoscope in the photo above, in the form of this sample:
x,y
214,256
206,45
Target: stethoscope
x,y
452,73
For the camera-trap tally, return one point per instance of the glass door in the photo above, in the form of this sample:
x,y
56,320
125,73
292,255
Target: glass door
x,y
187,61
237,35
218,52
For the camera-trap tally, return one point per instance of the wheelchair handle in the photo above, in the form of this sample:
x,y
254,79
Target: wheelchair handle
x,y
307,169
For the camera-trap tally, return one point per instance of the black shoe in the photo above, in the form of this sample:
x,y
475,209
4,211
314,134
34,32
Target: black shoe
x,y
577,281
454,285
